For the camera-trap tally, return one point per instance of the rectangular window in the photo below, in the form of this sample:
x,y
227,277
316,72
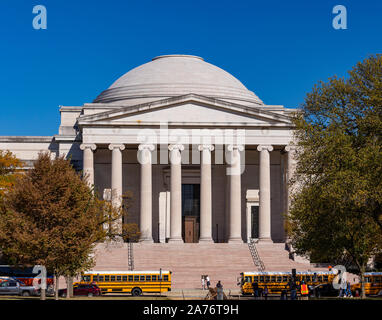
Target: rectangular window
x,y
247,279
131,278
148,278
261,278
100,278
119,278
165,277
141,278
267,278
367,279
154,278
95,278
112,278
256,279
319,278
326,278
279,279
124,278
273,279
308,279
107,278
136,278
285,278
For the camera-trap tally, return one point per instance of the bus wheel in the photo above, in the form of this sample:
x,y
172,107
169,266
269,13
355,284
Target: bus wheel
x,y
26,294
136,292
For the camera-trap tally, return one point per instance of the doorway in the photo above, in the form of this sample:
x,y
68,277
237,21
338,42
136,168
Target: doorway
x,y
255,222
190,212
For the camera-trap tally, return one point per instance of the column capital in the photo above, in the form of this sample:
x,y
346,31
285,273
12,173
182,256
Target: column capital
x,y
209,147
290,148
262,147
179,147
116,145
143,146
238,147
90,146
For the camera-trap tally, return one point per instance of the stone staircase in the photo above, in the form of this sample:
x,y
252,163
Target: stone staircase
x,y
221,261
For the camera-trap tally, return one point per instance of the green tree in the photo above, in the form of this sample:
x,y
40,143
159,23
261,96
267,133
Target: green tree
x,y
51,217
336,209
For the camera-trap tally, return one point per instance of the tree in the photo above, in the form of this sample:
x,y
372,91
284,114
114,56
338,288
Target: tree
x,y
9,168
51,217
336,208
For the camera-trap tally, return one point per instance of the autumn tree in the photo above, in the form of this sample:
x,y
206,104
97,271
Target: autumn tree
x,y
53,218
336,209
10,166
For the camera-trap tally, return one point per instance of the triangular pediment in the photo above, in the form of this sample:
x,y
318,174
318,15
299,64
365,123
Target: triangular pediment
x,y
187,110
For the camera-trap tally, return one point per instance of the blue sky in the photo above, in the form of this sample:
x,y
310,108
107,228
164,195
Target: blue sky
x,y
278,49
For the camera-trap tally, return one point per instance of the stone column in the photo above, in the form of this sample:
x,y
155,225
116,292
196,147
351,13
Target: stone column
x,y
146,192
235,194
289,174
176,193
265,194
116,173
205,194
88,161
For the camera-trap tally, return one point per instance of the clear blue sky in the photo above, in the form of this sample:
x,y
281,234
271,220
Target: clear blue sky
x,y
278,49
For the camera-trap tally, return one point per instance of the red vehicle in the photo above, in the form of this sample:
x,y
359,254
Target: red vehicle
x,y
89,290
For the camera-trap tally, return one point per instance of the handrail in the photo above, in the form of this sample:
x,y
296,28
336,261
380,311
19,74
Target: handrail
x,y
130,256
255,255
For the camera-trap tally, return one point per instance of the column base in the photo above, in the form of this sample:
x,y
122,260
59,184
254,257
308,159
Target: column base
x,y
147,240
175,240
206,240
265,240
235,240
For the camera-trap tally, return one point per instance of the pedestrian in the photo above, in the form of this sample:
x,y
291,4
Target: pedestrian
x,y
203,283
348,290
343,287
208,281
265,292
255,287
219,285
219,291
293,289
304,291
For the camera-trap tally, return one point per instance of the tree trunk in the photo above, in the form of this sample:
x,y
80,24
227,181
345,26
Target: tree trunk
x,y
56,287
363,295
69,287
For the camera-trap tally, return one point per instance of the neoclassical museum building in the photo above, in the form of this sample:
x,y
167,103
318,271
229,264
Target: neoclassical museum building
x,y
204,159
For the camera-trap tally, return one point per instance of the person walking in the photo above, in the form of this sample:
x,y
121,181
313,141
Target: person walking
x,y
265,292
304,291
293,289
203,283
348,290
255,287
208,281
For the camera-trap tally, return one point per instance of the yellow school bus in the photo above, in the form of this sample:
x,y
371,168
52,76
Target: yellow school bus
x,y
373,284
278,281
134,282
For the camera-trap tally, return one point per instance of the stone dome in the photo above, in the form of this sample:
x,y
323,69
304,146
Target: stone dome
x,y
175,75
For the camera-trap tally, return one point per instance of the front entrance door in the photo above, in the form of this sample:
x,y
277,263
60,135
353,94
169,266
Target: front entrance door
x,y
190,212
255,222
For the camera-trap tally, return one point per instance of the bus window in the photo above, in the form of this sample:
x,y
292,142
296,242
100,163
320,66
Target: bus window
x,y
119,278
308,278
165,277
255,279
86,278
279,278
95,278
148,278
100,278
261,278
112,278
154,278
107,278
367,279
124,278
319,278
131,278
136,278
273,279
247,279
141,278
326,278
267,278
285,278
378,279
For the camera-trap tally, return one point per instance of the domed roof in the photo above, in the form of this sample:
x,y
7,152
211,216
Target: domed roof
x,y
175,75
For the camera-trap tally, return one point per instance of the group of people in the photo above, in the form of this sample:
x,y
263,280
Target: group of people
x,y
345,290
206,283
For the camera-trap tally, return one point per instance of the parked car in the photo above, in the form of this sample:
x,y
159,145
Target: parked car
x,y
14,287
89,290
